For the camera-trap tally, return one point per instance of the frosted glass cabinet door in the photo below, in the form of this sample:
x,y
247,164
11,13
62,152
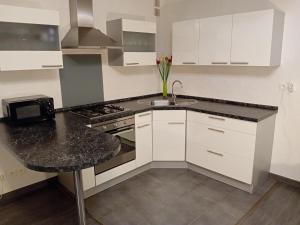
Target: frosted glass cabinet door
x,y
215,40
185,42
28,37
252,38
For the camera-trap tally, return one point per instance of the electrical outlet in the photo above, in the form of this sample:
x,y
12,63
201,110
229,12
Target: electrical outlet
x,y
2,177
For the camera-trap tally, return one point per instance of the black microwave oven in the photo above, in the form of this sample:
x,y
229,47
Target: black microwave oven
x,y
28,109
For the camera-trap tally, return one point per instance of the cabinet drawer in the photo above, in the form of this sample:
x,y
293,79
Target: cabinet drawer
x,y
234,167
223,122
143,118
222,140
115,172
169,115
139,58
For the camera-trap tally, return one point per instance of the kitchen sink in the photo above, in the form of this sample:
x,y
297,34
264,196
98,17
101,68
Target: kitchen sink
x,y
168,102
162,102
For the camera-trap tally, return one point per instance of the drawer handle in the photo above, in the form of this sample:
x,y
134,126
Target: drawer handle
x,y
215,153
143,126
131,64
52,66
146,114
215,130
219,63
188,63
239,63
176,123
216,118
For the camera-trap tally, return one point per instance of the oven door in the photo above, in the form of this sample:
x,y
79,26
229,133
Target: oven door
x,y
126,151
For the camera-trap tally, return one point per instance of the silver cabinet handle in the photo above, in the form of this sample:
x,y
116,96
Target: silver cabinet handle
x,y
146,114
131,64
219,63
52,66
215,130
143,126
239,63
216,118
188,63
215,153
176,123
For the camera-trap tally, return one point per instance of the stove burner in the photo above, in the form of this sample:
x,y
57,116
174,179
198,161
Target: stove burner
x,y
97,111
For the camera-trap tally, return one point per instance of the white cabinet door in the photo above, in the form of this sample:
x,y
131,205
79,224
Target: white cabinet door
x,y
30,60
169,136
139,58
215,40
143,136
185,42
252,38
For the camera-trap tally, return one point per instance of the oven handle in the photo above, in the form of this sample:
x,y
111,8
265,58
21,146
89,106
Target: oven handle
x,y
121,131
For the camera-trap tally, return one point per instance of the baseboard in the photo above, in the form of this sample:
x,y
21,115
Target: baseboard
x,y
168,165
221,178
14,195
285,180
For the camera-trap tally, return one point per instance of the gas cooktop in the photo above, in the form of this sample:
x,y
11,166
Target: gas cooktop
x,y
92,112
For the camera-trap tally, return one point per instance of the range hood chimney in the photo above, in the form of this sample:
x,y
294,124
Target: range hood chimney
x,y
82,33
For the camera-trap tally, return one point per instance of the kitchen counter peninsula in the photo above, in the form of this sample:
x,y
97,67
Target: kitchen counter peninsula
x,y
62,145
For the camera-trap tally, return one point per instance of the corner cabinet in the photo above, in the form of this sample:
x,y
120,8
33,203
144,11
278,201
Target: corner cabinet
x,y
138,41
245,39
169,135
29,39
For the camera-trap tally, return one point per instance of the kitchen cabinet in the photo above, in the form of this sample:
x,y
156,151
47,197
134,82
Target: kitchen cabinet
x,y
257,38
234,148
215,40
245,39
138,41
185,42
29,39
143,132
169,135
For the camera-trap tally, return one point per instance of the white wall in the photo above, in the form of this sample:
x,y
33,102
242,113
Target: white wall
x,y
118,82
256,85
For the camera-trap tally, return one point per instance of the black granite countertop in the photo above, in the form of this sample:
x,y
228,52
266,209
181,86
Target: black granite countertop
x,y
62,145
230,109
67,144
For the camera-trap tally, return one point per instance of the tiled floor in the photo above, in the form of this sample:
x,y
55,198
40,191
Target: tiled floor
x,y
171,197
162,197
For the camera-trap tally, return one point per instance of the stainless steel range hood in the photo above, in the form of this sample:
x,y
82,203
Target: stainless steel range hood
x,y
82,33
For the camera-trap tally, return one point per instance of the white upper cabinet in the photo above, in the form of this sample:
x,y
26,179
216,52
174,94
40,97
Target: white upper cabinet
x,y
29,39
138,41
257,38
215,40
246,39
185,42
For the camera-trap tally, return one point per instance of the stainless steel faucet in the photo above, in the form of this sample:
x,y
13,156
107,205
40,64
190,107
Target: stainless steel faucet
x,y
173,95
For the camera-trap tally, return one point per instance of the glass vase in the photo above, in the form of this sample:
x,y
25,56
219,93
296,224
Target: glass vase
x,y
165,89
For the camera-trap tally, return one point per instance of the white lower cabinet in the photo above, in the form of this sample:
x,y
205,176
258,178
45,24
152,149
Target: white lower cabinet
x,y
169,135
143,136
238,149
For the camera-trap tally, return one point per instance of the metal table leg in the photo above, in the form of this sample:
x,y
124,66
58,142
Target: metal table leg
x,y
79,197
